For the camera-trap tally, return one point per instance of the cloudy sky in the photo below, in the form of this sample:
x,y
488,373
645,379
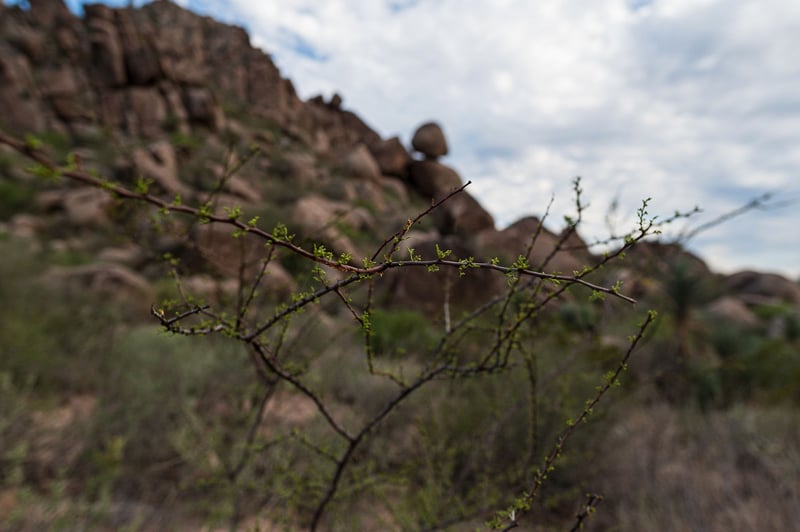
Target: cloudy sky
x,y
690,102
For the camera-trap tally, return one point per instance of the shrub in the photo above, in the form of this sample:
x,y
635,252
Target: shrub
x,y
400,333
15,197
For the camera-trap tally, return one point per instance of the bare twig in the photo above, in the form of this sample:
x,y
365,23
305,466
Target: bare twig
x,y
396,238
761,202
592,500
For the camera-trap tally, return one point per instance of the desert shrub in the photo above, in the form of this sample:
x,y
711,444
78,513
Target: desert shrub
x,y
153,389
15,406
277,188
15,197
58,142
401,333
52,341
185,142
713,470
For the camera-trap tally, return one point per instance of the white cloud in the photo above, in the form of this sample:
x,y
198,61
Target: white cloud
x,y
692,102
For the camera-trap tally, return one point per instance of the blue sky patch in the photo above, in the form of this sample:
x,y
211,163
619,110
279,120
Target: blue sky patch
x,y
396,6
302,47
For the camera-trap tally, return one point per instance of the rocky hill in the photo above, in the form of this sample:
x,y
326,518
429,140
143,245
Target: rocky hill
x,y
182,100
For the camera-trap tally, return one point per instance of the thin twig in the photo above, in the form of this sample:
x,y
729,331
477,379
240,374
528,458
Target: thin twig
x,y
592,500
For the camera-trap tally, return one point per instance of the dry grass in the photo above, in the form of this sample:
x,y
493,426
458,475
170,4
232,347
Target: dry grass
x,y
736,470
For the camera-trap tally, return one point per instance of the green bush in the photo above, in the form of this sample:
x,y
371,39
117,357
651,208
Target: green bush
x,y
399,333
15,197
49,338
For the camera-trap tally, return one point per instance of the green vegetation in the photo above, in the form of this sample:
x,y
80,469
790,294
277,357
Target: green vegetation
x,y
402,333
15,197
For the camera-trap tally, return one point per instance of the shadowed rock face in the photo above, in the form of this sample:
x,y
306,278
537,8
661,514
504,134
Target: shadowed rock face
x,y
767,287
463,216
433,179
109,278
134,69
360,163
391,156
514,241
412,288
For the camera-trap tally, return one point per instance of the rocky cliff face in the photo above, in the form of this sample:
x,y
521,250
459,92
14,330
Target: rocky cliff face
x,y
181,100
137,71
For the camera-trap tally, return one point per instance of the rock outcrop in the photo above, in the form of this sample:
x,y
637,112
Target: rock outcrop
x,y
112,279
433,179
764,287
360,163
136,71
411,288
513,241
391,156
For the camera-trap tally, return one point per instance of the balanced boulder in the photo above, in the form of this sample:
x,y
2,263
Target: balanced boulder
x,y
429,140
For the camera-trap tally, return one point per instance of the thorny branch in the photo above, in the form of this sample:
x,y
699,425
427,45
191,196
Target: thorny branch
x,y
206,216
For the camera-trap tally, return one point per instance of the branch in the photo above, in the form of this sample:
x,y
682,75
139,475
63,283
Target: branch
x,y
761,202
204,215
592,500
523,504
291,379
356,441
396,238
